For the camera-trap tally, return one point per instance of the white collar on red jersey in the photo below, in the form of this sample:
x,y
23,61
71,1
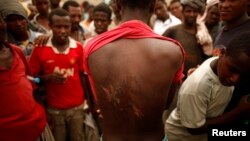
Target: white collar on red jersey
x,y
72,44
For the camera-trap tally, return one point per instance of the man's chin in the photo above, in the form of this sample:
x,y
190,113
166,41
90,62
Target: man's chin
x,y
75,27
227,84
99,31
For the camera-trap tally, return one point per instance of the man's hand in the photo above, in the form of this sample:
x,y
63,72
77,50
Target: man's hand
x,y
41,40
191,70
56,78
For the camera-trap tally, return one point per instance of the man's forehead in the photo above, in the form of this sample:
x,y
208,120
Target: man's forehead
x,y
59,19
11,16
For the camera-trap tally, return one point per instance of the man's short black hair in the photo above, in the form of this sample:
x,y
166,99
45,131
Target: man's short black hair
x,y
173,1
58,12
137,4
69,3
102,7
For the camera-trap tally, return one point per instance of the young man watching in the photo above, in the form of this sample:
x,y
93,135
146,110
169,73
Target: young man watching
x,y
59,65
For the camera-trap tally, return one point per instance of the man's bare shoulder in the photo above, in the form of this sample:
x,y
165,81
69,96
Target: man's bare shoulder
x,y
146,43
139,51
170,51
150,47
173,49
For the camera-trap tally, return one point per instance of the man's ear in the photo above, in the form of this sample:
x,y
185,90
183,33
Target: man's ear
x,y
222,51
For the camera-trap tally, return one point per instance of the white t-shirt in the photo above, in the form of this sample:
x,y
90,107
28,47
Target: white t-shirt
x,y
201,96
160,27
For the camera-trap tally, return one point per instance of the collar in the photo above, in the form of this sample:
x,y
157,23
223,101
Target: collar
x,y
72,44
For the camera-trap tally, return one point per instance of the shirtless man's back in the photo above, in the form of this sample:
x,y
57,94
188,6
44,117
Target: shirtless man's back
x,y
132,78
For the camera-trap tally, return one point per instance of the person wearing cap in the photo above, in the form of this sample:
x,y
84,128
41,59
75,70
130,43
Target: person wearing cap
x,y
21,117
18,31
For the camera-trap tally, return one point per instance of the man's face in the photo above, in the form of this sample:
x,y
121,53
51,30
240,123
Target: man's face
x,y
160,10
213,16
232,9
16,24
176,8
101,22
75,16
190,14
230,70
42,6
61,28
54,3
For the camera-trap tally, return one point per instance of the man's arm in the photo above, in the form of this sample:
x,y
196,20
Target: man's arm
x,y
178,77
237,113
87,90
172,93
41,40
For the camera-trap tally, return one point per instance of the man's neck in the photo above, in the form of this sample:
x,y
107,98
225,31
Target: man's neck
x,y
190,28
43,16
75,29
165,17
21,37
209,26
75,35
61,46
236,22
135,15
43,20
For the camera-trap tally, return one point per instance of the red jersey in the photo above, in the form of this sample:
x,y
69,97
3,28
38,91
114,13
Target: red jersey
x,y
133,29
46,60
21,118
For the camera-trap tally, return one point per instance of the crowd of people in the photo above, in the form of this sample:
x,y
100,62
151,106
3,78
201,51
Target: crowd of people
x,y
127,70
